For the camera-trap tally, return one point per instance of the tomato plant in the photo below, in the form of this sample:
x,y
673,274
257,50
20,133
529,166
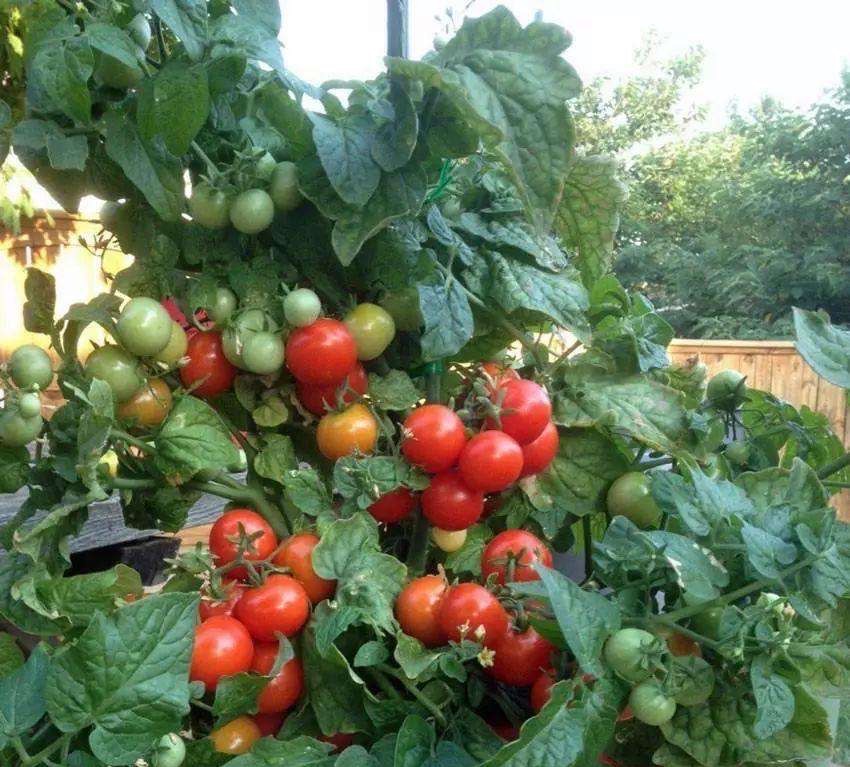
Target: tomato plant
x,y
302,307
149,406
491,462
372,328
144,327
520,656
651,705
354,430
540,452
284,689
541,690
236,737
393,506
631,497
30,366
525,410
319,399
116,368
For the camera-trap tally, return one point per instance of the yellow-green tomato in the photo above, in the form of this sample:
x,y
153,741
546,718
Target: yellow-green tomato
x,y
650,704
209,207
117,368
144,327
176,347
448,540
262,353
631,497
17,431
727,390
29,404
373,329
252,211
283,187
30,366
223,306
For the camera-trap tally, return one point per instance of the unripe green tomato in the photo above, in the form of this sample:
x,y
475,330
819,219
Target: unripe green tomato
x,y
30,366
113,73
29,405
175,349
252,211
144,327
170,751
140,31
727,390
301,307
223,306
651,705
628,651
109,215
738,452
373,330
631,497
708,622
117,368
448,540
17,431
403,307
240,329
452,208
265,166
209,207
262,353
283,187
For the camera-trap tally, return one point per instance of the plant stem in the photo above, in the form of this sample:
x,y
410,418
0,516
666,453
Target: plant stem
x,y
129,483
131,440
644,465
564,356
665,621
834,466
39,757
429,704
837,484
587,537
212,171
384,683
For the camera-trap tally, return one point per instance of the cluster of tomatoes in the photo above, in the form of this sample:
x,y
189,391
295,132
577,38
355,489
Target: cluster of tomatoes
x,y
30,370
435,613
268,590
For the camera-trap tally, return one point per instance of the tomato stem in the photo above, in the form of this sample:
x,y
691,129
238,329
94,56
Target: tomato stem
x,y
123,436
834,466
429,704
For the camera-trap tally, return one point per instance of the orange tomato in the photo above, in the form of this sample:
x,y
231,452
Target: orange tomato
x,y
355,429
149,406
297,554
236,737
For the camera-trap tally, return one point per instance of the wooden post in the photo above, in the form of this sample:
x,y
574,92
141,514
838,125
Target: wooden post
x,y
397,28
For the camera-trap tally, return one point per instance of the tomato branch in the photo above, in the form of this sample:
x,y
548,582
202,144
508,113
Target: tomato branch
x,y
429,704
834,466
123,436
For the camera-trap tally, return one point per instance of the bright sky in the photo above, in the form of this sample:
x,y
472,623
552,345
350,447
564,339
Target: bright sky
x,y
789,50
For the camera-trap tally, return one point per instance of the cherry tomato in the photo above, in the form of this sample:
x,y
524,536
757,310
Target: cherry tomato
x,y
319,399
236,737
490,462
301,307
265,166
262,353
322,353
727,390
449,504
448,540
393,506
434,437
209,207
650,704
283,691
175,349
469,610
520,657
269,724
339,740
240,329
223,647
225,535
505,730
681,646
223,306
354,430
498,374
208,370
541,690
538,454
526,410
149,406
297,554
708,622
209,608
144,327
17,431
629,652
30,366
283,187
252,211
417,609
373,330
519,547
170,751
280,605
630,496
117,368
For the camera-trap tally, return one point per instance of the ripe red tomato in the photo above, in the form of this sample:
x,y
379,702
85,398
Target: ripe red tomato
x,y
322,353
208,607
417,609
225,535
297,554
490,462
449,504
283,691
470,610
526,410
434,437
279,605
393,506
268,724
208,370
541,690
519,546
538,454
498,374
505,729
339,740
223,647
319,399
520,657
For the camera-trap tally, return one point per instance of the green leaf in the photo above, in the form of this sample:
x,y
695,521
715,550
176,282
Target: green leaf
x,y
394,141
77,598
61,71
193,438
414,743
173,104
11,656
697,572
276,458
14,468
40,305
475,735
467,559
413,657
306,490
371,654
394,391
774,699
236,695
514,233
767,553
13,567
297,752
67,152
825,347
589,213
364,480
188,20
22,696
367,579
142,693
272,412
156,173
344,148
113,42
447,318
